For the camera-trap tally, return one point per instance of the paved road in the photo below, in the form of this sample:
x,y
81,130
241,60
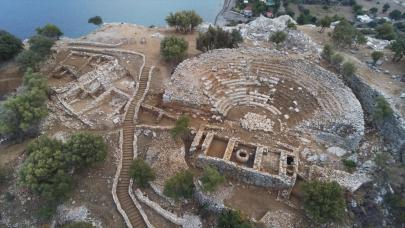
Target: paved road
x,y
226,15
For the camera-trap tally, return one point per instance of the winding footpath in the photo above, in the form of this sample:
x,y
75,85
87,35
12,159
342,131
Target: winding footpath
x,y
127,205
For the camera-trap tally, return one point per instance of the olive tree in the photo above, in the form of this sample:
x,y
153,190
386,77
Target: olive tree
x,y
173,48
10,46
348,69
398,47
82,149
376,55
233,219
141,172
50,31
179,186
184,21
324,201
21,114
211,179
45,171
181,127
96,20
216,37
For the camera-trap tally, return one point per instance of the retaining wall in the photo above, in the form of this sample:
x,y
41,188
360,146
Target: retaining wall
x,y
391,128
245,174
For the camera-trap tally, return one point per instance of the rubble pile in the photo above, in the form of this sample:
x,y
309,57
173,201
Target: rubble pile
x,y
253,122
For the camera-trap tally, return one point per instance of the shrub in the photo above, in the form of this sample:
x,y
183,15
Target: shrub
x,y
328,52
291,25
83,149
3,176
10,46
233,219
45,171
396,204
179,186
325,23
22,113
184,21
348,69
41,45
50,31
211,179
96,20
78,225
173,48
349,164
336,60
28,59
376,55
141,172
181,127
382,109
278,37
216,37
324,201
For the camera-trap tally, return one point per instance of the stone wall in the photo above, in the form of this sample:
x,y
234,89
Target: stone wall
x,y
392,128
245,174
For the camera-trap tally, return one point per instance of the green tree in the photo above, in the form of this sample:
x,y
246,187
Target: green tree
x,y
211,179
398,47
344,34
173,48
233,219
259,8
395,15
10,46
41,45
181,128
23,112
357,9
83,149
327,52
360,38
382,109
385,31
45,171
184,21
348,69
386,6
278,37
215,38
376,55
324,201
325,23
28,59
141,172
96,20
179,186
50,31
373,11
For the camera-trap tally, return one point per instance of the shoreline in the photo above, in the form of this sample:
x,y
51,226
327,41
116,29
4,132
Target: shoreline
x,y
226,15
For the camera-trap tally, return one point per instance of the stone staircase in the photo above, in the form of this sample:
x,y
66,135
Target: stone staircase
x,y
132,212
